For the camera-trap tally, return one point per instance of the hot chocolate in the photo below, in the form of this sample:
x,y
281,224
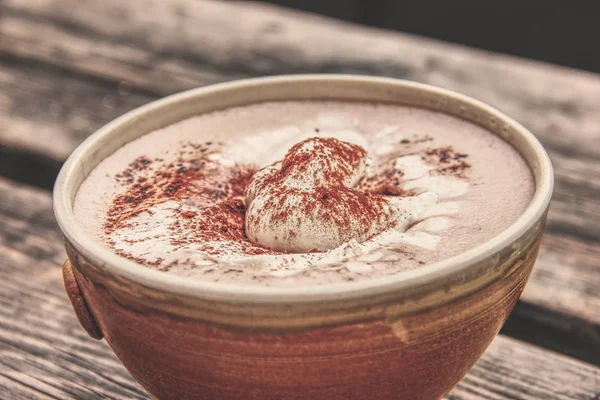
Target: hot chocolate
x,y
286,193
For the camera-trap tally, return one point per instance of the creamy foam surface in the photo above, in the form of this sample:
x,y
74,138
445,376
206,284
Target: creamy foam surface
x,y
456,185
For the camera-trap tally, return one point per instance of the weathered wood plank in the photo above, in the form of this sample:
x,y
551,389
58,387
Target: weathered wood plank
x,y
528,375
45,110
65,70
581,276
115,41
560,307
46,355
200,43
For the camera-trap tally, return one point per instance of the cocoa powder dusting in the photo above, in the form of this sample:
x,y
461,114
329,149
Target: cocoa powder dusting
x,y
332,198
447,161
192,178
159,187
223,221
342,206
329,163
195,177
128,175
211,196
345,155
388,182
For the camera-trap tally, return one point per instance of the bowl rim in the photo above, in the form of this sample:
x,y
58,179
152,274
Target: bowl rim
x,y
432,274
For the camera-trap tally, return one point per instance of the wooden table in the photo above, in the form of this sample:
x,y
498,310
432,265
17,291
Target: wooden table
x,y
69,66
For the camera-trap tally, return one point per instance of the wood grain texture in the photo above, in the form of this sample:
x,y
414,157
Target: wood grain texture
x,y
65,70
560,307
114,45
46,355
200,43
47,108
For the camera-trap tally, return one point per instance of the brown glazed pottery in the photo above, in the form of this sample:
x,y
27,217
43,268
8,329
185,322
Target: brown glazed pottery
x,y
410,336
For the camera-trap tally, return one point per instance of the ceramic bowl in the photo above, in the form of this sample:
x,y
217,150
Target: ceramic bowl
x,y
409,336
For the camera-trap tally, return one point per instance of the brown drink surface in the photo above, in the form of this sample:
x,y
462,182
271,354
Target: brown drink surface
x,y
368,190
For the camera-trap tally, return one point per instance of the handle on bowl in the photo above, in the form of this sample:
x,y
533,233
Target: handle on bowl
x,y
85,317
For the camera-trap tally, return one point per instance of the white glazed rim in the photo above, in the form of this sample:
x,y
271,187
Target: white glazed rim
x,y
428,275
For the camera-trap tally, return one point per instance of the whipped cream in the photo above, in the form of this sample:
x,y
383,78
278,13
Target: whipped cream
x,y
308,202
317,209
